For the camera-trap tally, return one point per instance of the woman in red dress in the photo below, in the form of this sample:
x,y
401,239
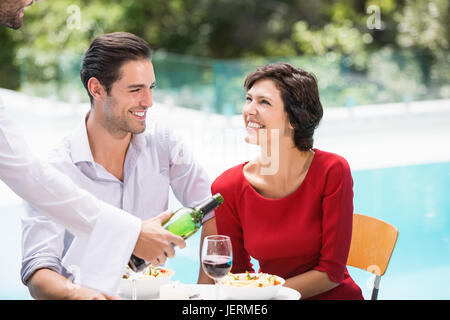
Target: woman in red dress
x,y
291,208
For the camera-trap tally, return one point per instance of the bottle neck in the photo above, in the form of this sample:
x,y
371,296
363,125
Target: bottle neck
x,y
207,206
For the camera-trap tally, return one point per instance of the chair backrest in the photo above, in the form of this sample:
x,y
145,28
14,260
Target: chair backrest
x,y
372,244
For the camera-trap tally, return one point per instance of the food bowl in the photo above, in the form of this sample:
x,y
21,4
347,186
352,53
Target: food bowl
x,y
147,284
251,286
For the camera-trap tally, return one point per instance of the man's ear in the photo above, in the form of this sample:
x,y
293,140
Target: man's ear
x,y
96,89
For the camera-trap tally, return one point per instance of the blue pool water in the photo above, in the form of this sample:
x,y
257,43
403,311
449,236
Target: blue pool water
x,y
413,198
416,199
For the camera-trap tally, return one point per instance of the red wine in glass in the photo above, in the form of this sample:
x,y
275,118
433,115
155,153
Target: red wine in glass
x,y
216,266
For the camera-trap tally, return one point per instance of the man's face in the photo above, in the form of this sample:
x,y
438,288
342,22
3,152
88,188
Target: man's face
x,y
12,11
125,108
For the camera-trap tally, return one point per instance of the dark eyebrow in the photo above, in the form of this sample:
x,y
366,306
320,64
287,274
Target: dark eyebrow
x,y
135,86
264,97
260,97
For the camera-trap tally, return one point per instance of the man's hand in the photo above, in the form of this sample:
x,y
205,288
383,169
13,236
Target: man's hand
x,y
82,293
154,242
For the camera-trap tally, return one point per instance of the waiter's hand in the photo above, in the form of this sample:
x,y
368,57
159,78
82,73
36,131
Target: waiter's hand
x,y
154,242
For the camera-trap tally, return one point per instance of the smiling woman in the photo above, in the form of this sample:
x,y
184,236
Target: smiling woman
x,y
308,199
299,95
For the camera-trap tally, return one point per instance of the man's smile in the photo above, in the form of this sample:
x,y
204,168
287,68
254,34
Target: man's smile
x,y
139,114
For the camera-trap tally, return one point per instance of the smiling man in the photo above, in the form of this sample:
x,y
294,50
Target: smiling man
x,y
117,157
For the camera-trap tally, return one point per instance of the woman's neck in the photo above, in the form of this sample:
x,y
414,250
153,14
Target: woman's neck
x,y
282,161
286,166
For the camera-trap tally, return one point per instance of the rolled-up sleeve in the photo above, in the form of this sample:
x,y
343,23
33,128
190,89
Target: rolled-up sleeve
x,y
337,219
104,256
42,244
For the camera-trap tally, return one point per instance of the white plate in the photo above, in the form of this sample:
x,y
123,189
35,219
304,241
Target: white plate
x,y
286,293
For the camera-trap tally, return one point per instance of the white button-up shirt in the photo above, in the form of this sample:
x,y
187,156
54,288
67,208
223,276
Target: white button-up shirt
x,y
65,203
155,161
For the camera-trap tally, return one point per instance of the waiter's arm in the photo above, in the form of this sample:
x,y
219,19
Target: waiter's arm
x,y
112,233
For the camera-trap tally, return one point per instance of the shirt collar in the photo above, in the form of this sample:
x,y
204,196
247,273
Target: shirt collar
x,y
79,144
138,141
81,150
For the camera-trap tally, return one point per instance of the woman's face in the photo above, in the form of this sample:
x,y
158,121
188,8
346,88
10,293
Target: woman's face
x,y
264,113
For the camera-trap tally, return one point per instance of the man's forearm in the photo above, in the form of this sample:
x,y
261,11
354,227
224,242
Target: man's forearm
x,y
46,284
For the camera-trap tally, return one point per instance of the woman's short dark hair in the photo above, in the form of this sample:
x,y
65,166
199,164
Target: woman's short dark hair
x,y
106,55
300,95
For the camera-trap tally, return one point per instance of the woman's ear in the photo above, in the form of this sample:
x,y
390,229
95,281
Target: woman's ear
x,y
291,127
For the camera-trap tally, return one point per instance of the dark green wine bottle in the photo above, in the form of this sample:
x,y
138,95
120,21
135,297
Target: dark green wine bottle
x,y
184,222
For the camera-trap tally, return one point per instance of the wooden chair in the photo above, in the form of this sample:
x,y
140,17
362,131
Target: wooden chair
x,y
371,247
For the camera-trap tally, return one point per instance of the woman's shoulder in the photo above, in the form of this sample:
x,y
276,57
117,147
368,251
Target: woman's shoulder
x,y
229,179
331,161
329,171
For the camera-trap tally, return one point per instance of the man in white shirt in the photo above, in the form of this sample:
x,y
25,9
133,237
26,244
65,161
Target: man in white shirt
x,y
114,156
111,235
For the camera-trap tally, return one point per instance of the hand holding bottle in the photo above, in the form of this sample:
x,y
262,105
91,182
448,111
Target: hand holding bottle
x,y
184,222
155,244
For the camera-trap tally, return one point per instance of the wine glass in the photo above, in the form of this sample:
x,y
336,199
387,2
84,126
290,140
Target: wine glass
x,y
216,258
133,277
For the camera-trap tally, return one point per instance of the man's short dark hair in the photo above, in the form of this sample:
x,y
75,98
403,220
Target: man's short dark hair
x,y
106,55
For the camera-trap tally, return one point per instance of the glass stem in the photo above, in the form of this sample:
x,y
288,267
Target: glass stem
x,y
133,290
217,288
